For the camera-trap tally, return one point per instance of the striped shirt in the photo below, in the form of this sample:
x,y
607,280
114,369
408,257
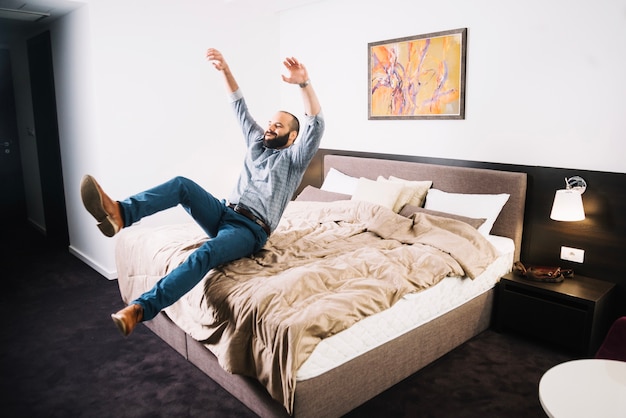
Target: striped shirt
x,y
270,176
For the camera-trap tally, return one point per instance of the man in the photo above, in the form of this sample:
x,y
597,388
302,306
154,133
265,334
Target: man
x,y
273,168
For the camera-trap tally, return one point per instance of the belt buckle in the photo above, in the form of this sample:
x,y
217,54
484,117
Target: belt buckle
x,y
245,212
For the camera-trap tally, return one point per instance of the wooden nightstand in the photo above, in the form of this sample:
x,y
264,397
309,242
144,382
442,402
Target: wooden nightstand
x,y
574,314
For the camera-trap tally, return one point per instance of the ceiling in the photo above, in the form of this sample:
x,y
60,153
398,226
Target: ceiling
x,y
16,25
24,20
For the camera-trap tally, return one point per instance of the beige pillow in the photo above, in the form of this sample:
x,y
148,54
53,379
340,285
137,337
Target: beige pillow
x,y
413,192
383,194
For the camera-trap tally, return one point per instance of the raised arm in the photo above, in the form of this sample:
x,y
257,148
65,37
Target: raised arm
x,y
299,75
217,59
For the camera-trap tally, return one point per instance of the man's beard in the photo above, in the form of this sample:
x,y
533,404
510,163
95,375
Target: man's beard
x,y
276,142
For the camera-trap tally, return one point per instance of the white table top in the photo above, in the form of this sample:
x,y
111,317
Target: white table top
x,y
584,388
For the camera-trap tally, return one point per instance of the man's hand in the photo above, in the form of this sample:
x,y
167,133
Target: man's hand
x,y
297,71
217,59
299,75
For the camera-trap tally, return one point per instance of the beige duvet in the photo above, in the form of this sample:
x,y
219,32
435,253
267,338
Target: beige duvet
x,y
327,266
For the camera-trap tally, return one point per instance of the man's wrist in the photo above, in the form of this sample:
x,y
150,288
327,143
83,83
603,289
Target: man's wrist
x,y
306,83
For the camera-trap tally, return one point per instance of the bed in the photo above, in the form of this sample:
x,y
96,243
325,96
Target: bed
x,y
377,349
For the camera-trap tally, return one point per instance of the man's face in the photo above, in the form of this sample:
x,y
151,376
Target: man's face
x,y
279,134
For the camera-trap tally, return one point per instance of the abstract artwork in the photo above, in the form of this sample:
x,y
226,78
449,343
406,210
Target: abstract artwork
x,y
418,77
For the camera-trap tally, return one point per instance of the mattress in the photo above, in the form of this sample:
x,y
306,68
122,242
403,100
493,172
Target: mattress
x,y
411,311
408,313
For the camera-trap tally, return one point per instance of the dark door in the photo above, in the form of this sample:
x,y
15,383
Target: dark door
x,y
12,202
47,134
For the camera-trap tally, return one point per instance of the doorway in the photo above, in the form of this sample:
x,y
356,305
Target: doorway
x,y
12,201
47,137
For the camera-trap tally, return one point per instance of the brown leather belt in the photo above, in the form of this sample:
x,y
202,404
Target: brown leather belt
x,y
245,212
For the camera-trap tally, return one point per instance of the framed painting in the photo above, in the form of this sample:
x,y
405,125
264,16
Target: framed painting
x,y
418,77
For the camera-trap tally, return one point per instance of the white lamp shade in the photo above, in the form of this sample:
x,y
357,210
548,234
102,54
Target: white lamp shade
x,y
568,206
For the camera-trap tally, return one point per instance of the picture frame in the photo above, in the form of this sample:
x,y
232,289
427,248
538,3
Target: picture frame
x,y
418,77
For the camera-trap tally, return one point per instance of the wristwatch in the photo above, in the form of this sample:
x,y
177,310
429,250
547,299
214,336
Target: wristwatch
x,y
306,83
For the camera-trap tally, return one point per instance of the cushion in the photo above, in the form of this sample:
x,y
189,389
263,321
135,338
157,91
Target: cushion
x,y
383,194
614,345
338,182
313,194
414,192
486,206
409,210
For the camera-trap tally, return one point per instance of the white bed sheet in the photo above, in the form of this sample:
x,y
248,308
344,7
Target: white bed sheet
x,y
408,313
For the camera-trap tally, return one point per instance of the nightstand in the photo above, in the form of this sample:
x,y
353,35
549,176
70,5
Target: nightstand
x,y
574,314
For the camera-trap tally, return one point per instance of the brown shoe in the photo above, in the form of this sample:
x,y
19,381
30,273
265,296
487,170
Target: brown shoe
x,y
102,207
128,318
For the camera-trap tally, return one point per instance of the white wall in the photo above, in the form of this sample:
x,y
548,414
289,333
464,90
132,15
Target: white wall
x,y
141,104
138,104
545,79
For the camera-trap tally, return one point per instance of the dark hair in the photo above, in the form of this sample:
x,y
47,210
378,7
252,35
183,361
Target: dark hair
x,y
295,123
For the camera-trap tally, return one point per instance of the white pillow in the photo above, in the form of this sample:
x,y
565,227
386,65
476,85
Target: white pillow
x,y
383,194
414,191
338,182
486,206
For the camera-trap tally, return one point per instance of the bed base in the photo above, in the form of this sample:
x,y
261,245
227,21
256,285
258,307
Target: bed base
x,y
369,374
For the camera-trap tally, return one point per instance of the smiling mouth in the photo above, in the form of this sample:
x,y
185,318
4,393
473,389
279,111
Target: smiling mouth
x,y
270,134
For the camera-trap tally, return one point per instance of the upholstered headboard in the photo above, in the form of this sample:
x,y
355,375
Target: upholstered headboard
x,y
451,179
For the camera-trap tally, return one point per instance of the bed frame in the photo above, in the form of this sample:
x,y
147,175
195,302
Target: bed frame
x,y
342,389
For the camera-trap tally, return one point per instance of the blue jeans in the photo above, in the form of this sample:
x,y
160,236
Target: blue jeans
x,y
232,236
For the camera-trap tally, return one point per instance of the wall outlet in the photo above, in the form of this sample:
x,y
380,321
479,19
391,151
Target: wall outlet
x,y
572,254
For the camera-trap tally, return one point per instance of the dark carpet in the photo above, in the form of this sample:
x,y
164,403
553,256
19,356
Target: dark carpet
x,y
61,356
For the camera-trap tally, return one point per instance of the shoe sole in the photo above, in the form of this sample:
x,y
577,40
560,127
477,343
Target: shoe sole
x,y
119,324
92,200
